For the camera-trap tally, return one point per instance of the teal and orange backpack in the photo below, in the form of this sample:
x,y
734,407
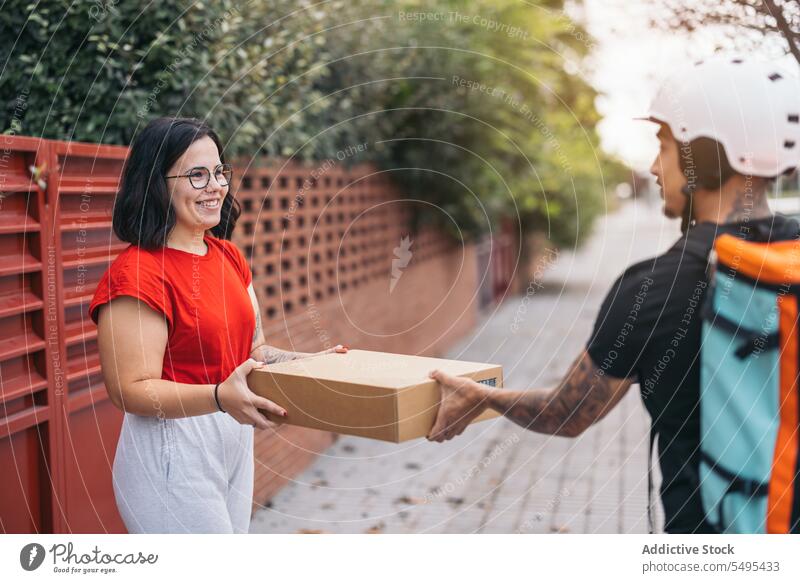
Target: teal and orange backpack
x,y
749,400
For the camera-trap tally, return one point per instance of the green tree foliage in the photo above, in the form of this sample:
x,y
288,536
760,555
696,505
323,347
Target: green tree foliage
x,y
98,71
481,106
475,107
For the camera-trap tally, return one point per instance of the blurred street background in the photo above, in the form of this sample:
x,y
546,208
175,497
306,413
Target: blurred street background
x,y
487,149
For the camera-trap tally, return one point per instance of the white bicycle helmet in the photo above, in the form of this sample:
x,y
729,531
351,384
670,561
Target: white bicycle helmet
x,y
751,107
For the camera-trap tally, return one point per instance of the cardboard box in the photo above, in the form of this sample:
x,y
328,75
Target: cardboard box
x,y
370,394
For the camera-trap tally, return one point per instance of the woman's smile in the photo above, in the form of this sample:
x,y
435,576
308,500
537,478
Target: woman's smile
x,y
209,205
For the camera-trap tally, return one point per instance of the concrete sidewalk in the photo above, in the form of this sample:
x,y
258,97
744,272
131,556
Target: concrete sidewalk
x,y
497,477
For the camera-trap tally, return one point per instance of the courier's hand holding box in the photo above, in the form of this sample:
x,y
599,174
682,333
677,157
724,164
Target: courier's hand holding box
x,y
370,394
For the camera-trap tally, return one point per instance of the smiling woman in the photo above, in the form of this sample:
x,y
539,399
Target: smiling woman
x,y
178,332
166,181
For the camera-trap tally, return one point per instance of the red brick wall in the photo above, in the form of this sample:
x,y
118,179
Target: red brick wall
x,y
321,253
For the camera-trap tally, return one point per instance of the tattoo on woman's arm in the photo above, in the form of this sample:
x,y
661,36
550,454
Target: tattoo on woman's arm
x,y
274,355
258,328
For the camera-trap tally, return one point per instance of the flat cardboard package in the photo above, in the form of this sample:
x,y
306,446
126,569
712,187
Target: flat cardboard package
x,y
370,394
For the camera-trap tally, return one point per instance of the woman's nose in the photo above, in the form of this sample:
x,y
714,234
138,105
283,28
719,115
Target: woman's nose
x,y
214,184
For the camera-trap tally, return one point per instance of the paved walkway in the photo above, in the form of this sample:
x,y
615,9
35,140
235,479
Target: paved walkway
x,y
498,478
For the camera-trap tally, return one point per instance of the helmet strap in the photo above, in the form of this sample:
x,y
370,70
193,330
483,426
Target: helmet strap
x,y
687,220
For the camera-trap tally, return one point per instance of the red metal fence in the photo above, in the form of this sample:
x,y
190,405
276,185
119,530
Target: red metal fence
x,y
56,420
321,241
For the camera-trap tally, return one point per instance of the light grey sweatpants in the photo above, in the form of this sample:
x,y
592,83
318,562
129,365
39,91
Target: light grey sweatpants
x,y
188,475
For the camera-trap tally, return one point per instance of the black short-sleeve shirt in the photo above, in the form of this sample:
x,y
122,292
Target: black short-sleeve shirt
x,y
649,328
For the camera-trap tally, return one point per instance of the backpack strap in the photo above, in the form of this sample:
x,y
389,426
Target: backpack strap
x,y
650,513
753,340
696,247
736,483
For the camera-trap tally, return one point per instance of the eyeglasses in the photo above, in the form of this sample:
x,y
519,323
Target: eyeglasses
x,y
199,177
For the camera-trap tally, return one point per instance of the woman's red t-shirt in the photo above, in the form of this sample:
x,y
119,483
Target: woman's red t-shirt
x,y
203,299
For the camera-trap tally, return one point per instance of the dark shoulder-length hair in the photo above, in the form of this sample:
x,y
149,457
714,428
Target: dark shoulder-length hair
x,y
143,213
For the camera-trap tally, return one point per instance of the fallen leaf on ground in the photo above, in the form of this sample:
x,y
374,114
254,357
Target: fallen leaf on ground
x,y
410,500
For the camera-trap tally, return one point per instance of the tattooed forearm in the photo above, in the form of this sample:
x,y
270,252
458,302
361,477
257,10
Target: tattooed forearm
x,y
583,397
257,333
